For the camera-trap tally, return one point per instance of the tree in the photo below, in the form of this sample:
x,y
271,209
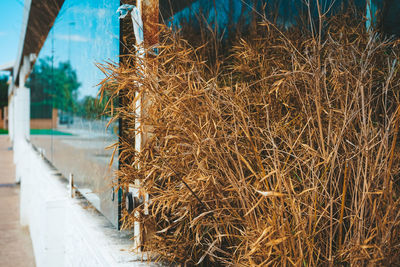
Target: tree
x,y
92,108
3,91
55,86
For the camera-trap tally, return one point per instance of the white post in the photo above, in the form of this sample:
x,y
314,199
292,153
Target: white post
x,y
11,118
22,104
21,116
144,18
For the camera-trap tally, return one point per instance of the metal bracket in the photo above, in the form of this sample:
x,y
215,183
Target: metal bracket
x,y
137,22
132,202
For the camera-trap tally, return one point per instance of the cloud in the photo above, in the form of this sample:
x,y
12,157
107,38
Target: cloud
x,y
100,13
72,38
3,34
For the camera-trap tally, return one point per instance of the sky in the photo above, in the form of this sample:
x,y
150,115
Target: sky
x,y
11,12
85,33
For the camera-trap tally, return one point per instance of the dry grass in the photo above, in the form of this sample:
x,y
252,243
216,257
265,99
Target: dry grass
x,y
284,154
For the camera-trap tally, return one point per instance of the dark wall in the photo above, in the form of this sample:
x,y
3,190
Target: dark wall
x,y
390,17
241,12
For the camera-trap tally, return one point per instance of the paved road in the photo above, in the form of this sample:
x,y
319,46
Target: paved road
x,y
15,242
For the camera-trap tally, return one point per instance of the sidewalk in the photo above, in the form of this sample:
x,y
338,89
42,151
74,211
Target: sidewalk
x,y
15,242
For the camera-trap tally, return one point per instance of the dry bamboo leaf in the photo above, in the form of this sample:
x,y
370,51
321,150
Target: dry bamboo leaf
x,y
271,194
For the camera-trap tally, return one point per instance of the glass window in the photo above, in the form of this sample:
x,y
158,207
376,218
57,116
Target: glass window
x,y
67,120
234,15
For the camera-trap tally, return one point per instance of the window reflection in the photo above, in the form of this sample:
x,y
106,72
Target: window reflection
x,y
67,119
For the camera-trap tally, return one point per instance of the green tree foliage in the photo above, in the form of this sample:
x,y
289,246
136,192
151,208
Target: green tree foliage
x,y
92,108
54,85
97,107
3,91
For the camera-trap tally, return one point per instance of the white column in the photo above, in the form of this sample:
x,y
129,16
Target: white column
x,y
11,118
21,113
21,118
21,107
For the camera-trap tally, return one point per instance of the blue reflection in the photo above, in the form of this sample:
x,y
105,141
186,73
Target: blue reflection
x,y
225,13
64,86
85,33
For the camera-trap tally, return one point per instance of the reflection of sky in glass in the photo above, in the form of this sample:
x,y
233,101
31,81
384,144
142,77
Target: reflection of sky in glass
x,y
85,33
229,11
205,10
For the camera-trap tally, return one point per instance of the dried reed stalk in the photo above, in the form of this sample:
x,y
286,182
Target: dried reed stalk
x,y
286,144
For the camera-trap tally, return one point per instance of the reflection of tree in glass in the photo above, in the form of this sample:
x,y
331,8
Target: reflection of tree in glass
x,y
92,108
3,91
56,87
97,107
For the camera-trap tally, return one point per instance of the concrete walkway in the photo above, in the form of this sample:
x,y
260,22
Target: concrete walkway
x,y
15,242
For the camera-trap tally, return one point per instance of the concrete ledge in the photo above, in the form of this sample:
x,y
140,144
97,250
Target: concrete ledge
x,y
65,231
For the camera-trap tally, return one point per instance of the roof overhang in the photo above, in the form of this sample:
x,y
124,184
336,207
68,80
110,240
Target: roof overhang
x,y
7,66
38,19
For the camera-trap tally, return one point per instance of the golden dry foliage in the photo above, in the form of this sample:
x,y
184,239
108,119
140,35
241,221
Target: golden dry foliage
x,y
288,148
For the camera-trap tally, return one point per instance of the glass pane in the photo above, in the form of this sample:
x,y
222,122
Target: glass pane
x,y
67,120
233,15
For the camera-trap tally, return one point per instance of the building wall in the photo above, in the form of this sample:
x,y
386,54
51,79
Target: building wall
x,y
45,123
41,124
